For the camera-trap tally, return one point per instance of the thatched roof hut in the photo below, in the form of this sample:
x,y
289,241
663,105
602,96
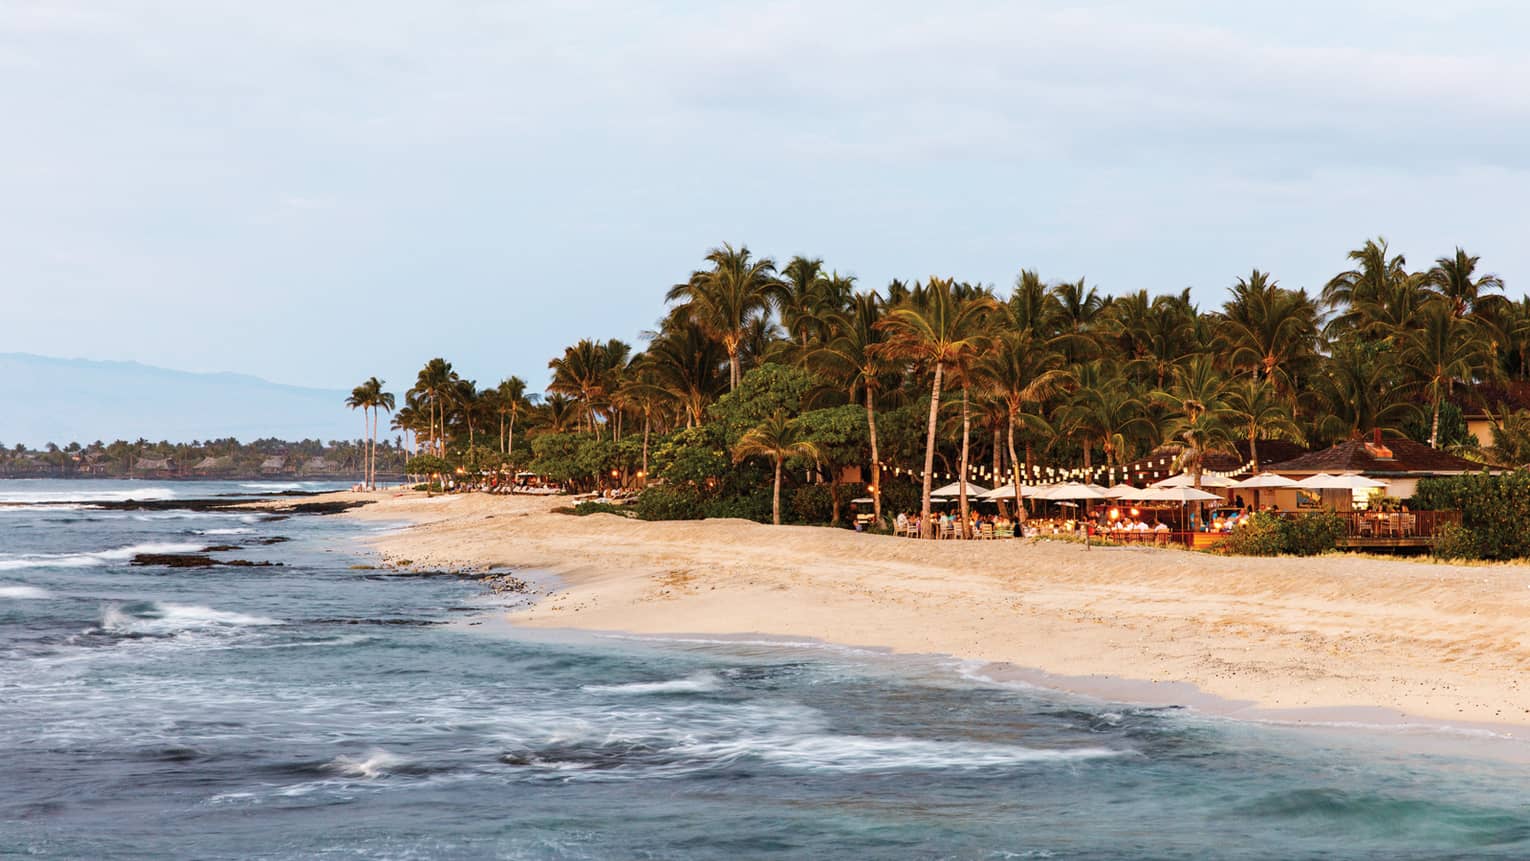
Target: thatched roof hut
x,y
274,463
319,464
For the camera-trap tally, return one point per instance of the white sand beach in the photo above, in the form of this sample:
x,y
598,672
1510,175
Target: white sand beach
x,y
1413,638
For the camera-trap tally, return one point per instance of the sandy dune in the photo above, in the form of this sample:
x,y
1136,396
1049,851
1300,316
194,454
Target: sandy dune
x,y
1438,641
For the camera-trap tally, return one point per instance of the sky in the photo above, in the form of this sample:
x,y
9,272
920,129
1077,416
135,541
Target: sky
x,y
318,192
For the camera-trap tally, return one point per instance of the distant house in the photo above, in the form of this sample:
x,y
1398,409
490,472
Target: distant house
x,y
319,465
153,464
1401,463
211,464
1479,403
273,465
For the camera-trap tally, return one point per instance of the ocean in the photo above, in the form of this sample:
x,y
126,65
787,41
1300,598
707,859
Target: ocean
x,y
322,708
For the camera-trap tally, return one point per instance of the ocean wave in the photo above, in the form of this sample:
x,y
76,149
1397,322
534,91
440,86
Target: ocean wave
x,y
856,754
237,531
693,684
24,593
86,495
160,619
375,763
278,486
86,560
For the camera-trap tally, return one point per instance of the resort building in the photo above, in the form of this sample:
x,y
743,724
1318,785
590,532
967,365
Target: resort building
x,y
1398,462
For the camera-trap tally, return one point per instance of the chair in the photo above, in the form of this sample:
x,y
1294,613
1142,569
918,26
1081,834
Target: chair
x,y
1004,530
947,529
1409,524
985,531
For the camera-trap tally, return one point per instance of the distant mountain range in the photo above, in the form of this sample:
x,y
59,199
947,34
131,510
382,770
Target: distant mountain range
x,y
45,399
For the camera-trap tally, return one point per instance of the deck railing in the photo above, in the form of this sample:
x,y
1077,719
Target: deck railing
x,y
1396,524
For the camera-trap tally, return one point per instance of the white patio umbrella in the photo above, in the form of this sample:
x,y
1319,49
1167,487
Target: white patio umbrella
x,y
1265,481
1179,494
1125,491
954,489
1185,479
1072,490
1324,481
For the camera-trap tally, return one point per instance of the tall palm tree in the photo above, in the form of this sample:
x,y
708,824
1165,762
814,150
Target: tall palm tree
x,y
687,365
587,372
1018,372
724,299
1254,406
799,296
851,358
1455,279
1269,329
437,384
510,403
1077,307
942,333
1376,273
1441,350
1198,414
776,438
380,400
1361,389
361,399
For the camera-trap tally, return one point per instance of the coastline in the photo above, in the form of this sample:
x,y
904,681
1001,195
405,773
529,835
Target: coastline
x,y
1328,640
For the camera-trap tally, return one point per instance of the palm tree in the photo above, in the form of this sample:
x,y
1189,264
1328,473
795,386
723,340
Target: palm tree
x,y
1018,372
1254,406
1269,329
851,358
799,297
1441,350
940,332
1455,279
777,438
1375,274
724,299
586,372
687,365
1360,390
510,402
1077,307
437,383
1198,414
361,399
380,400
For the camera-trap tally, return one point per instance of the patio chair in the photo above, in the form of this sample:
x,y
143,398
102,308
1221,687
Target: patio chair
x,y
947,529
1004,530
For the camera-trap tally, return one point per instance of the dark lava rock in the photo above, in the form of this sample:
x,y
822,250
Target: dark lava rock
x,y
175,560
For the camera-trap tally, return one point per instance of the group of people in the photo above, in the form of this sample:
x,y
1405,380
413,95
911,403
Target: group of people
x,y
948,525
1138,529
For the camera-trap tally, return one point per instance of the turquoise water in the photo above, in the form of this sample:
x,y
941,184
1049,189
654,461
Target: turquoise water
x,y
316,710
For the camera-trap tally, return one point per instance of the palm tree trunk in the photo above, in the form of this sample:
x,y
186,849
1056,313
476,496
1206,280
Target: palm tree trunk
x,y
1089,454
876,460
998,463
645,448
733,374
1253,449
1434,425
775,498
926,526
510,440
966,438
1014,467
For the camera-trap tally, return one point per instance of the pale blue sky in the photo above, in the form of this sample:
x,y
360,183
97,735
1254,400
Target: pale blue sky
x,y
315,192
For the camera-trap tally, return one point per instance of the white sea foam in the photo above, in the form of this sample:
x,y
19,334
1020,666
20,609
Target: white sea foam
x,y
86,560
850,753
693,684
376,762
86,495
174,618
24,593
238,531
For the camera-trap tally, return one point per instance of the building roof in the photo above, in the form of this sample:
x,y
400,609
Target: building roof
x,y
152,463
1387,457
1161,461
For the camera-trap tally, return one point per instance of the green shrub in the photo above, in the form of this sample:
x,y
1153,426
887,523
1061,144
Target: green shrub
x,y
591,507
754,505
1312,533
669,503
1452,541
1263,535
1494,509
811,503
